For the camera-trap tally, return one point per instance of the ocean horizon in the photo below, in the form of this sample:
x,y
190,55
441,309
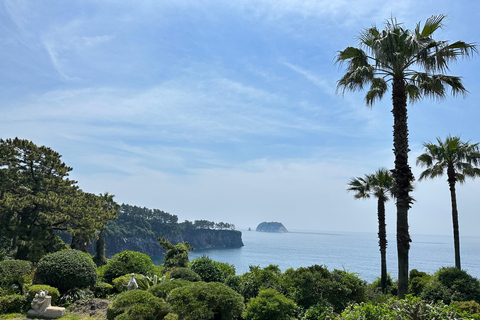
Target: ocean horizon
x,y
355,252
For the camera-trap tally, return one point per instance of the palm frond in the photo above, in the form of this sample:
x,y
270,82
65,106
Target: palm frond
x,y
431,25
378,88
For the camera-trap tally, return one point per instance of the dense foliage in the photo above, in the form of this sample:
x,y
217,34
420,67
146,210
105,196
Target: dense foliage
x,y
203,301
185,274
66,269
176,255
269,305
316,284
250,283
127,262
162,289
208,269
451,284
37,199
12,272
137,304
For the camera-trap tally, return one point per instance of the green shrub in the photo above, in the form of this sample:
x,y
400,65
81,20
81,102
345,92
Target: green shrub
x,y
72,295
417,281
176,255
206,300
451,284
12,303
13,271
137,304
127,262
318,312
207,269
257,278
120,283
33,290
409,308
470,307
316,284
102,290
270,304
162,289
171,316
184,274
66,269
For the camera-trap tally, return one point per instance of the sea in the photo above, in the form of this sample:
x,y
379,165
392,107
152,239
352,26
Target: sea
x,y
356,252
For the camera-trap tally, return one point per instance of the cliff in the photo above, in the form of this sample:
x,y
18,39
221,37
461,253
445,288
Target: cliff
x,y
198,238
271,227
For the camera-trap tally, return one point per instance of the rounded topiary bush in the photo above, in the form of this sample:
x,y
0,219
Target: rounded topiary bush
x,y
184,274
127,262
66,269
102,290
137,304
207,269
12,271
162,289
33,290
206,300
12,303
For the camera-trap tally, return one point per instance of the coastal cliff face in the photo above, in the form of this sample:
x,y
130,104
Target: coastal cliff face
x,y
271,227
198,238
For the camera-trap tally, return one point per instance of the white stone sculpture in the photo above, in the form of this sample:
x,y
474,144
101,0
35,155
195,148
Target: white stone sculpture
x,y
132,284
41,307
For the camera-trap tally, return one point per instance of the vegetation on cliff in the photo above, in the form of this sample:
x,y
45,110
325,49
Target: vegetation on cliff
x,y
271,227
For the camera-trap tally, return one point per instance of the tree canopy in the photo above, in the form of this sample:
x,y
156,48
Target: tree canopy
x,y
37,199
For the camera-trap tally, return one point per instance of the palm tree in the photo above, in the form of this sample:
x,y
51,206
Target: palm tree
x,y
459,159
392,57
379,185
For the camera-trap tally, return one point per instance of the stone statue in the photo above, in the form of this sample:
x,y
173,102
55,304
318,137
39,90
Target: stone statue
x,y
132,284
41,307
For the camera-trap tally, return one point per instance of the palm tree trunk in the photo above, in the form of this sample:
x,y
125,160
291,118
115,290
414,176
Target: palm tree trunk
x,y
456,233
382,242
403,177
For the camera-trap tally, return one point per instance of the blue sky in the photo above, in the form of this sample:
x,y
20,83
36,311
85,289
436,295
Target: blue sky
x,y
227,110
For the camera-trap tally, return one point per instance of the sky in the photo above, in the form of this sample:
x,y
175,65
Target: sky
x,y
228,110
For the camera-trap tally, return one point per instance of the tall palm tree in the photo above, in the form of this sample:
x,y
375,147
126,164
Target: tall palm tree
x,y
459,159
379,185
392,56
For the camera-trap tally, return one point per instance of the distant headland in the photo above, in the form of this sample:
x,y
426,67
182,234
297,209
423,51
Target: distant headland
x,y
271,227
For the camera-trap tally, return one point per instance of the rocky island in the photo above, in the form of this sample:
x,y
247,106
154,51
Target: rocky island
x,y
271,227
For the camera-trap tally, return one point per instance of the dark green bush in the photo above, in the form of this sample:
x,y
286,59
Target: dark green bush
x,y
452,284
66,269
12,303
207,269
137,304
162,289
270,304
206,300
184,274
417,281
13,271
257,278
33,290
102,290
127,262
317,285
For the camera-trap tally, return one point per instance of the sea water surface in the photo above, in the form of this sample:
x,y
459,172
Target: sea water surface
x,y
353,252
